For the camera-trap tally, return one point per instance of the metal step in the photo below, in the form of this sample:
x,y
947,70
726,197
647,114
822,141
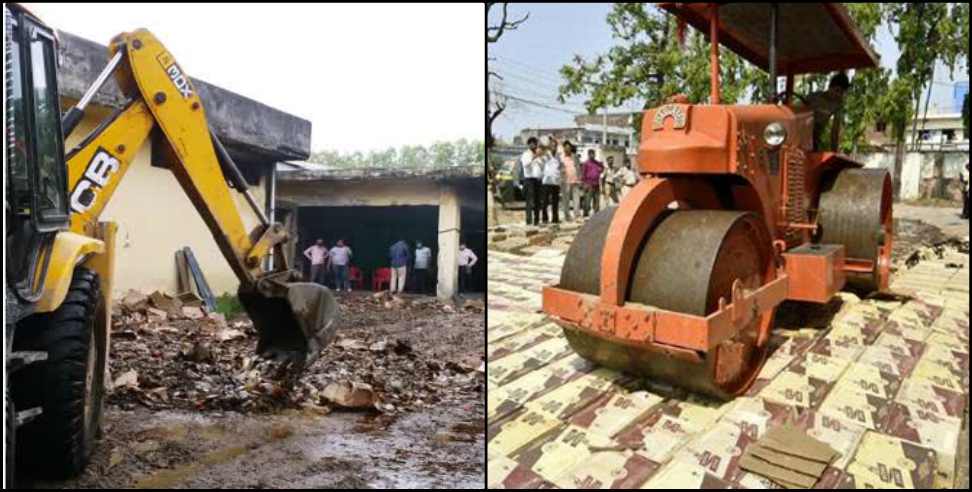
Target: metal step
x,y
19,359
25,416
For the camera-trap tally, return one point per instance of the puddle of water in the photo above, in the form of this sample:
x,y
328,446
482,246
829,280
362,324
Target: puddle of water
x,y
165,479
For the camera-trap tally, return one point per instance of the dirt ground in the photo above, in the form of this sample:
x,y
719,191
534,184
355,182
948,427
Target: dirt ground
x,y
185,425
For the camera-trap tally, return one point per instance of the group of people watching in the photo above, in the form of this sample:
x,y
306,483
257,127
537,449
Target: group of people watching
x,y
400,259
330,266
548,171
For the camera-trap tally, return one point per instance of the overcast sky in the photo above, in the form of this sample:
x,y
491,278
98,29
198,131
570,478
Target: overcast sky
x,y
367,76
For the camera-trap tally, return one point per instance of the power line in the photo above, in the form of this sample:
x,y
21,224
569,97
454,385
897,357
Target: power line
x,y
539,73
530,80
536,103
541,96
513,92
529,86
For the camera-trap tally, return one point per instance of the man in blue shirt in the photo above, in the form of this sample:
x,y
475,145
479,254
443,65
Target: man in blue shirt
x,y
400,258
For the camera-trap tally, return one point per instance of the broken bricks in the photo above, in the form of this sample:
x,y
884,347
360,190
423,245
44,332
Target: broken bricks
x,y
350,394
209,363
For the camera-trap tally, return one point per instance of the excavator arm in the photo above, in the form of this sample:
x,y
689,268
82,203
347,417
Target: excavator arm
x,y
295,319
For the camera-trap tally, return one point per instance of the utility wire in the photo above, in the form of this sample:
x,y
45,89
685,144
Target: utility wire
x,y
536,103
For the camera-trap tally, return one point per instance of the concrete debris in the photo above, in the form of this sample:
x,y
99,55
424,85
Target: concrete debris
x,y
198,361
193,312
172,306
474,305
349,344
199,352
128,379
134,301
350,394
156,315
229,334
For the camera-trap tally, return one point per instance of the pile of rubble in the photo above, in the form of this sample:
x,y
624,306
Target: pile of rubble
x,y
169,353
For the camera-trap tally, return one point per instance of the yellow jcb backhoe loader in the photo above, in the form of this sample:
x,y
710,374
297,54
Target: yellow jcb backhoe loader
x,y
60,257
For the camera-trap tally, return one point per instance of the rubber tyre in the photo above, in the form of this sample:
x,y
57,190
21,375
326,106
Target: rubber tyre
x,y
60,441
10,440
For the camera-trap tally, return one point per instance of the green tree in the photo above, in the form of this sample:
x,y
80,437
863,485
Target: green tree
x,y
440,154
646,64
443,154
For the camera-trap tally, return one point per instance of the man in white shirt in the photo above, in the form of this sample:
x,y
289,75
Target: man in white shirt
x,y
627,177
964,177
341,260
423,257
317,254
531,163
467,259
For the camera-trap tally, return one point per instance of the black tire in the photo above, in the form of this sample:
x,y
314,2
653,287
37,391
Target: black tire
x,y
60,441
10,440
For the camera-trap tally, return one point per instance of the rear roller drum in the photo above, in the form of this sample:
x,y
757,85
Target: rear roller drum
x,y
688,262
855,210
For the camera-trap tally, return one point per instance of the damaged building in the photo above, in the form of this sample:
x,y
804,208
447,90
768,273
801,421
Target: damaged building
x,y
371,208
155,217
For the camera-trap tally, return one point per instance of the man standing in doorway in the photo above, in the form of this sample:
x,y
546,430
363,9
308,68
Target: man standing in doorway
x,y
423,256
317,254
399,255
340,260
466,261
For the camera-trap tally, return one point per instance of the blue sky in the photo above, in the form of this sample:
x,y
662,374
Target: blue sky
x,y
530,57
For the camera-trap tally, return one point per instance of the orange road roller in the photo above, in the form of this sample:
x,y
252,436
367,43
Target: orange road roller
x,y
736,211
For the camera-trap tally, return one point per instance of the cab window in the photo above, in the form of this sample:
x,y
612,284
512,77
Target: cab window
x,y
51,189
17,169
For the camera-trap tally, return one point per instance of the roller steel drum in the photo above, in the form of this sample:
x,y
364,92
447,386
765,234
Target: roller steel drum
x,y
855,210
688,262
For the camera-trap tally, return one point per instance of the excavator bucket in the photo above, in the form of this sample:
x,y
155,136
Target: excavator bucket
x,y
295,323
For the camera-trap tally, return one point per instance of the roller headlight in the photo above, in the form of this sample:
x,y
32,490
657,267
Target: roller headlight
x,y
774,134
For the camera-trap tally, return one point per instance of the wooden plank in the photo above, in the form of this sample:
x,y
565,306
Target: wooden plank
x,y
751,463
792,441
794,463
201,285
182,274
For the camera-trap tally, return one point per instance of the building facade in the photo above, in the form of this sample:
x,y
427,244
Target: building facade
x,y
371,208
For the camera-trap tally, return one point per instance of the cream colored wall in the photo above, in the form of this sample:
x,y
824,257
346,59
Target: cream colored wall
x,y
155,218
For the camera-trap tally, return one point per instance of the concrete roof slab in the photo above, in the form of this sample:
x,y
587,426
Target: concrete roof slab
x,y
252,131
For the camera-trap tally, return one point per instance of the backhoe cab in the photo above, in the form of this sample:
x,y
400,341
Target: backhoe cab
x,y
60,256
736,212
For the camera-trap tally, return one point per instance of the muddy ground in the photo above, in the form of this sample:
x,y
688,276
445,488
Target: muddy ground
x,y
427,429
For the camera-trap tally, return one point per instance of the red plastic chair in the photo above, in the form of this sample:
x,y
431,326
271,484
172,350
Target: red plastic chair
x,y
356,278
382,276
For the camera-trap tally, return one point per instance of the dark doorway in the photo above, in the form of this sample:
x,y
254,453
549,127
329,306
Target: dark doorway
x,y
368,231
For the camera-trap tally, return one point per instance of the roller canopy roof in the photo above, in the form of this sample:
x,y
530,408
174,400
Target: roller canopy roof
x,y
812,37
